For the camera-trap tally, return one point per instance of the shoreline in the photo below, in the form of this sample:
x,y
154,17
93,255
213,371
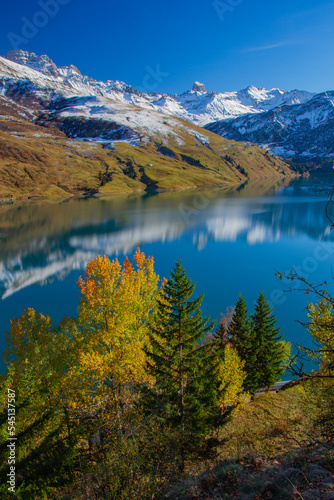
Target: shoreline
x,y
11,199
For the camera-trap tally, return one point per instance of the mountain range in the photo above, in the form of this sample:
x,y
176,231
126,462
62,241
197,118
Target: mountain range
x,y
303,130
197,105
128,132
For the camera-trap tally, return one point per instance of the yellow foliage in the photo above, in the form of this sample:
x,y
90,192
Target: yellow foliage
x,y
321,326
37,356
116,303
231,377
90,364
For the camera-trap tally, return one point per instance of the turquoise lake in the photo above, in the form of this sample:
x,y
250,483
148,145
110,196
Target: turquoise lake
x,y
229,240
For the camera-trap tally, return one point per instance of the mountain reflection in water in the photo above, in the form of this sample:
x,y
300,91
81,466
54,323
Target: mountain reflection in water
x,y
42,242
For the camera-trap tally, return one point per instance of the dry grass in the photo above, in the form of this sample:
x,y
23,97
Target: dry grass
x,y
37,161
264,455
271,424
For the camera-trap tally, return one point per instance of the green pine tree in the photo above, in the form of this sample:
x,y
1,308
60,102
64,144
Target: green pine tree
x,y
183,396
239,330
265,356
221,339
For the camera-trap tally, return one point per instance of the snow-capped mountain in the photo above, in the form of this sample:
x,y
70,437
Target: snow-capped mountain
x,y
196,105
80,106
287,123
305,130
64,133
204,107
69,75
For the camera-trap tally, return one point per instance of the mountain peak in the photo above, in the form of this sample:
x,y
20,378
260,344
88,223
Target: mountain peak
x,y
23,57
199,87
42,63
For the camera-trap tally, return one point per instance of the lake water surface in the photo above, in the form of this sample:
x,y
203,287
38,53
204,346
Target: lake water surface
x,y
229,241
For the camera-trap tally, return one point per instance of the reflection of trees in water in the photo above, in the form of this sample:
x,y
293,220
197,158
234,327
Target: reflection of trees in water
x,y
291,219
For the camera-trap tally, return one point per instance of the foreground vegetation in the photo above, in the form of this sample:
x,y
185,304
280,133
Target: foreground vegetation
x,y
140,391
270,450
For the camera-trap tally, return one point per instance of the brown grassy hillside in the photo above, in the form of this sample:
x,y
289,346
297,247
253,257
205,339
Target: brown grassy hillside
x,y
40,161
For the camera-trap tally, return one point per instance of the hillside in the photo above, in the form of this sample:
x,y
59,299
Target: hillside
x,y
269,451
40,161
62,133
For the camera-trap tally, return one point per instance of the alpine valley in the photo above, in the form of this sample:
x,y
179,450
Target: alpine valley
x,y
64,133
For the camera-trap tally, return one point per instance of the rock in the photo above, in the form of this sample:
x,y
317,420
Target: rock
x,y
199,87
42,63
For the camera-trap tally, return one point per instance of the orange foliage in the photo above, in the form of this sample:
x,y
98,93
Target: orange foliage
x,y
115,307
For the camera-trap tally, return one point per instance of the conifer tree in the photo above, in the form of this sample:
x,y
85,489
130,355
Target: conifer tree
x,y
266,354
184,395
239,330
221,339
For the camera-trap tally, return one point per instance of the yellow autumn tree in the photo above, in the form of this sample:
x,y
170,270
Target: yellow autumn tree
x,y
321,327
319,382
320,386
231,377
81,377
112,331
37,358
38,352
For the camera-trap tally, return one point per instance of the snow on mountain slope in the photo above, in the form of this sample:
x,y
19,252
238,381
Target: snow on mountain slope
x,y
11,72
61,93
66,75
197,105
202,107
305,129
286,122
104,119
84,108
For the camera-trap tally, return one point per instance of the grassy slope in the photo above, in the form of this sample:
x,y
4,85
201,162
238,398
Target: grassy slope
x,y
42,161
266,454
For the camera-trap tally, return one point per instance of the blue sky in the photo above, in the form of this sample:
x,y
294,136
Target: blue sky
x,y
167,45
